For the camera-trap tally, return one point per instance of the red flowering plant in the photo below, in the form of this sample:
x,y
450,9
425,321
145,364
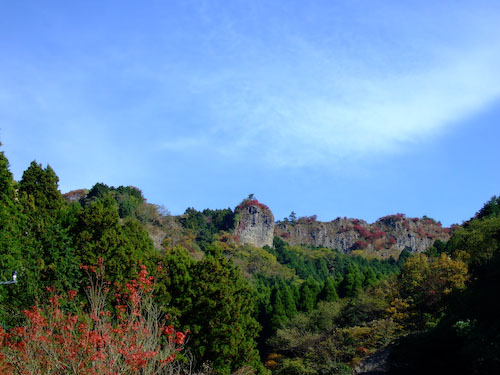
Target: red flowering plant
x,y
133,338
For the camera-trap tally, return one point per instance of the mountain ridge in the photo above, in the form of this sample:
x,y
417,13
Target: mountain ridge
x,y
386,237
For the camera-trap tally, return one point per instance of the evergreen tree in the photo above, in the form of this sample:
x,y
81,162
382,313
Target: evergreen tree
x,y
226,307
11,235
98,191
329,292
99,233
309,291
490,209
352,283
47,247
294,288
174,290
40,186
7,183
370,278
288,300
403,256
220,316
279,315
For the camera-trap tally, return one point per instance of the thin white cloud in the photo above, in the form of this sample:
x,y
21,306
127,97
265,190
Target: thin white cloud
x,y
338,112
347,84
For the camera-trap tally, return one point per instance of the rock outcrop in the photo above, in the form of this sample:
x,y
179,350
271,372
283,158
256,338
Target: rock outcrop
x,y
387,236
374,364
255,225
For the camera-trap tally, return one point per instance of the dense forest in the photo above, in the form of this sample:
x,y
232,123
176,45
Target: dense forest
x,y
108,283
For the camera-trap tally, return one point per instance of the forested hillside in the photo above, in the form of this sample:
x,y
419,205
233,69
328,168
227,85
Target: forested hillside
x,y
115,283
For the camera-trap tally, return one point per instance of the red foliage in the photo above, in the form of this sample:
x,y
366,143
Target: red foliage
x,y
362,350
377,235
397,217
360,245
362,231
430,221
391,241
308,219
54,340
285,235
75,195
251,202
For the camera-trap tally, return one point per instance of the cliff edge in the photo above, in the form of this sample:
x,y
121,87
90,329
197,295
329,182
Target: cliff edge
x,y
388,236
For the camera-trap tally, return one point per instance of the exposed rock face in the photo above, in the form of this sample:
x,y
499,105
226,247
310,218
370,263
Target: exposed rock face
x,y
387,236
374,364
256,224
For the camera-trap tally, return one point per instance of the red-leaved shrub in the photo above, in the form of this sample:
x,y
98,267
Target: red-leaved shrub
x,y
132,338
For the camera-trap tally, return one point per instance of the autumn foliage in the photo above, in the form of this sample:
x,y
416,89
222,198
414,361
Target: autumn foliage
x,y
251,202
131,338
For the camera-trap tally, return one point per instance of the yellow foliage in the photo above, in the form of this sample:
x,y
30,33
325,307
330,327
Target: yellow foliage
x,y
272,360
360,253
423,284
270,364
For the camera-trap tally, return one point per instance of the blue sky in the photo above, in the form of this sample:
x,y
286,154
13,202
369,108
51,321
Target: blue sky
x,y
335,108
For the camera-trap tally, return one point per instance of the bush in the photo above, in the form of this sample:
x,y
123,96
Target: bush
x,y
131,338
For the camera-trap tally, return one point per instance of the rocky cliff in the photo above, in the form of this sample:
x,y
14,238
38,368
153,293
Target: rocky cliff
x,y
255,224
388,236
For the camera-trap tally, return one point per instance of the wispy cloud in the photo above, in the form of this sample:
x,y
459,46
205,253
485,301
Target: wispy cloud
x,y
357,115
305,104
312,86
